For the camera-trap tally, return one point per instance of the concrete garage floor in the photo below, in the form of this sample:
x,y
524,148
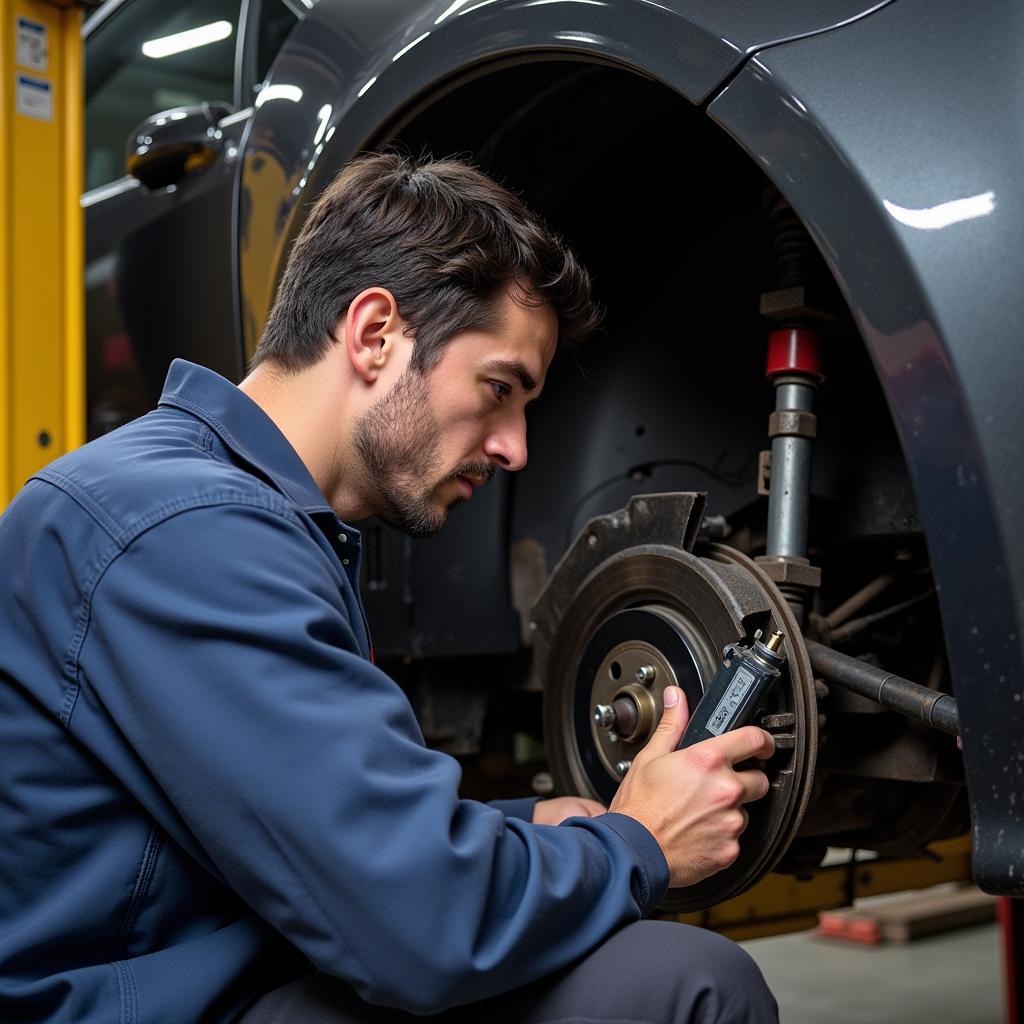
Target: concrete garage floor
x,y
955,978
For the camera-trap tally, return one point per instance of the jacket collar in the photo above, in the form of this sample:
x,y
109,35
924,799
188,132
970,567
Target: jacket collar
x,y
245,428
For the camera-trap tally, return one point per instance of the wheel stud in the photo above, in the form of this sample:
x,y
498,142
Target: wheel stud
x,y
622,767
645,674
604,716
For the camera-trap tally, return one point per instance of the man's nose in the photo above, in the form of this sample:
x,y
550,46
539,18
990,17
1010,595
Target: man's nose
x,y
507,447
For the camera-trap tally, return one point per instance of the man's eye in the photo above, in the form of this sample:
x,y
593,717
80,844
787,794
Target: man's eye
x,y
500,390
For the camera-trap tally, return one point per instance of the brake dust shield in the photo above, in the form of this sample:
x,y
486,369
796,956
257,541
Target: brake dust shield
x,y
631,609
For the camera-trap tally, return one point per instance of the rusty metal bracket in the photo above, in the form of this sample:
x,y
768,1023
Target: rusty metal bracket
x,y
796,572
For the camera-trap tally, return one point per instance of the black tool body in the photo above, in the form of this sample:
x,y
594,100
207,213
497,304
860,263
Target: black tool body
x,y
741,683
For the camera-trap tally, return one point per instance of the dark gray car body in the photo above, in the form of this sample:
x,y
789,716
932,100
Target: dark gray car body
x,y
893,129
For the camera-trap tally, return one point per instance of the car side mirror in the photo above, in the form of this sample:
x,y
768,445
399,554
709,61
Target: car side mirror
x,y
167,146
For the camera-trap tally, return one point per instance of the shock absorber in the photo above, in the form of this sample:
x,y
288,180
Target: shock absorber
x,y
794,368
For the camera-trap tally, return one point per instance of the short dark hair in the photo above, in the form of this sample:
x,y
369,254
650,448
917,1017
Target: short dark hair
x,y
442,237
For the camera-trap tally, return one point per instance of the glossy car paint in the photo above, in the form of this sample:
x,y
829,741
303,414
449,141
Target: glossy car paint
x,y
148,297
898,142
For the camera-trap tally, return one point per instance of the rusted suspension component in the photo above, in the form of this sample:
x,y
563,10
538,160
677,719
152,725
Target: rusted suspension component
x,y
939,710
852,627
864,596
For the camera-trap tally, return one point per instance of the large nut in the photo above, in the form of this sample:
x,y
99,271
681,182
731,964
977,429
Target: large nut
x,y
792,423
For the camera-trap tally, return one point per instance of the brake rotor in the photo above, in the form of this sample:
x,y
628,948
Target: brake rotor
x,y
630,610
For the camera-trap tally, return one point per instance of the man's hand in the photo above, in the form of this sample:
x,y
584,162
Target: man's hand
x,y
691,800
556,810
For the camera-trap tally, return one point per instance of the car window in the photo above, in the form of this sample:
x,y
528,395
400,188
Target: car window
x,y
277,19
150,56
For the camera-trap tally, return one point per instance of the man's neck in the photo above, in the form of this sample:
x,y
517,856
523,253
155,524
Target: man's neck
x,y
309,408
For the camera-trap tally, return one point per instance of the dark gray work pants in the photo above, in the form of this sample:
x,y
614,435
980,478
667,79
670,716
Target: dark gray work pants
x,y
651,972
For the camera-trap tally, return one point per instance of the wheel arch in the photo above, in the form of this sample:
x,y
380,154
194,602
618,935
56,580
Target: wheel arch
x,y
345,78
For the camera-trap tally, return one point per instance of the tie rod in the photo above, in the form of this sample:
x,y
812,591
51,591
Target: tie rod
x,y
939,710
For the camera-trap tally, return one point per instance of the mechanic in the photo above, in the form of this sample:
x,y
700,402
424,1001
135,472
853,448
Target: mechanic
x,y
215,806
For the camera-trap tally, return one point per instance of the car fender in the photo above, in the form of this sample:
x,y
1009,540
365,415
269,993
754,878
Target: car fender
x,y
907,175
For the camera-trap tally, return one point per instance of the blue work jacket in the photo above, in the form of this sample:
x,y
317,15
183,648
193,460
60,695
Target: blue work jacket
x,y
206,786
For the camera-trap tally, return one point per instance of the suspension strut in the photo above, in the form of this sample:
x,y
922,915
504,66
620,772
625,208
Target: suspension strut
x,y
794,368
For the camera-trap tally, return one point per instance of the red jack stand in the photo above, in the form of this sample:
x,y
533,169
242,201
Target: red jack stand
x,y
1011,925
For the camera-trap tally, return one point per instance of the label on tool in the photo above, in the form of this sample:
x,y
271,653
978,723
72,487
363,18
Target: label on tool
x,y
32,49
721,718
35,97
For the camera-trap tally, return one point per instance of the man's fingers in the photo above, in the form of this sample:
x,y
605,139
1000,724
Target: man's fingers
x,y
743,744
557,809
754,783
672,725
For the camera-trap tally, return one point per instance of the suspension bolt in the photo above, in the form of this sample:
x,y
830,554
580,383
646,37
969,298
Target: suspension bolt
x,y
645,674
622,767
604,716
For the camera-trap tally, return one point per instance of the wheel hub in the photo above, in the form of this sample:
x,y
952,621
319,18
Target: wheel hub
x,y
629,661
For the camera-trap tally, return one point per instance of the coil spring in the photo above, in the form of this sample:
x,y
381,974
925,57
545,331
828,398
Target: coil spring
x,y
794,251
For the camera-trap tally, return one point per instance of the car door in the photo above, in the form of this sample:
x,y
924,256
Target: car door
x,y
159,240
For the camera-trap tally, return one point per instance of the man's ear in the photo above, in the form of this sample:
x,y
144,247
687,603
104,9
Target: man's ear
x,y
369,331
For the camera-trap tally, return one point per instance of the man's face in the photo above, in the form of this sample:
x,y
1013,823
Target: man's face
x,y
435,436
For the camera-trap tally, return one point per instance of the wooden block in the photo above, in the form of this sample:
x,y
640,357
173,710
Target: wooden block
x,y
929,913
922,913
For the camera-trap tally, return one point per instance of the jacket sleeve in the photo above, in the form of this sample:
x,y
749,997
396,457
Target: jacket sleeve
x,y
521,807
220,647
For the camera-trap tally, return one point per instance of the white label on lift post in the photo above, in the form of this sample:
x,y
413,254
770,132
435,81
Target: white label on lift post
x,y
33,48
35,97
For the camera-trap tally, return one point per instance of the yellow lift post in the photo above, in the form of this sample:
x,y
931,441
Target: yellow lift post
x,y
42,336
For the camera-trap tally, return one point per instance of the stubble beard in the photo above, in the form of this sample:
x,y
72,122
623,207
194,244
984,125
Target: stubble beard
x,y
399,441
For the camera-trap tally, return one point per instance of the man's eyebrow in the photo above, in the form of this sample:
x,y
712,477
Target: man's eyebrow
x,y
517,370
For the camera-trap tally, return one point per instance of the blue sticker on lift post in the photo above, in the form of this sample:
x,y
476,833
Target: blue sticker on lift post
x,y
32,47
34,97
721,718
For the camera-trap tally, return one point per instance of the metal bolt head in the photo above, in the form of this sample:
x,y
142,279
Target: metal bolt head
x,y
645,674
604,716
543,784
622,767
